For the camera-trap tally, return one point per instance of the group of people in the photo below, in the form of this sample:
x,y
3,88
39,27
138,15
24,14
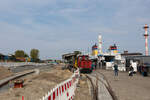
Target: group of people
x,y
131,70
141,69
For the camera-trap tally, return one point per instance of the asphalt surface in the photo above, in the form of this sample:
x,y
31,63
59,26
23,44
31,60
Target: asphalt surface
x,y
125,87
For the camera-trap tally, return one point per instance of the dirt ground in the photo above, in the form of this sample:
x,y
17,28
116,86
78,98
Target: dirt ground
x,y
36,86
4,72
83,92
129,88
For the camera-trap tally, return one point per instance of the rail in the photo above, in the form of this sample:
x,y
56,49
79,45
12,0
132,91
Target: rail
x,y
101,89
94,89
107,85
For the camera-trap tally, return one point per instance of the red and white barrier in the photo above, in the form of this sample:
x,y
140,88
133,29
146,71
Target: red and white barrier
x,y
65,90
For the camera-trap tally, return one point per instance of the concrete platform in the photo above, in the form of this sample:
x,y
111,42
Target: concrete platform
x,y
136,87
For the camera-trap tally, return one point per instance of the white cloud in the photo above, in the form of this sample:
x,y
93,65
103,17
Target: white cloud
x,y
109,31
52,23
143,20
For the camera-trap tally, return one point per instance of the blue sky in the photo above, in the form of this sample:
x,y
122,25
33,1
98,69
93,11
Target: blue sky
x,y
61,26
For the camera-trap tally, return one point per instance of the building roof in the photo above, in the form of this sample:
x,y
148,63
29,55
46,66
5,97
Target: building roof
x,y
1,54
131,54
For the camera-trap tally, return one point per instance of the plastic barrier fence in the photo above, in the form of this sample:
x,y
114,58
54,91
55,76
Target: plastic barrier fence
x,y
65,90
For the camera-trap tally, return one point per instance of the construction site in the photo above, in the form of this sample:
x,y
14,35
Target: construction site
x,y
74,50
80,76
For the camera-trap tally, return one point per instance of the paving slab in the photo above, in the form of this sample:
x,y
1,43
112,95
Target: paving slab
x,y
136,87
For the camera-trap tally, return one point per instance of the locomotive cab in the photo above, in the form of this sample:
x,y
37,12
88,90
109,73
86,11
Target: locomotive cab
x,y
84,63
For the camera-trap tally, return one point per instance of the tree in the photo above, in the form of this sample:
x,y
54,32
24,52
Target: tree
x,y
34,54
26,55
19,53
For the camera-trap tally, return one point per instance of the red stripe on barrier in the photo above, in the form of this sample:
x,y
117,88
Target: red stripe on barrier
x,y
62,88
57,91
49,98
65,87
22,97
53,95
68,84
67,94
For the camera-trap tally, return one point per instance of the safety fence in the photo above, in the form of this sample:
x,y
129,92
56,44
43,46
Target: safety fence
x,y
65,90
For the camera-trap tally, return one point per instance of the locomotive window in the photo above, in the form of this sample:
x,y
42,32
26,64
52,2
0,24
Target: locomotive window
x,y
86,58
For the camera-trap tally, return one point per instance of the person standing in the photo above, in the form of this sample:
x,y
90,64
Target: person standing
x,y
131,70
139,68
144,71
116,69
93,66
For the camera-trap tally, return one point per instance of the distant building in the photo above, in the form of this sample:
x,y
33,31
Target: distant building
x,y
9,57
131,57
47,61
126,54
22,59
1,57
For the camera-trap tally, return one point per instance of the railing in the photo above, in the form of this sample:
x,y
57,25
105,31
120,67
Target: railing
x,y
12,64
65,90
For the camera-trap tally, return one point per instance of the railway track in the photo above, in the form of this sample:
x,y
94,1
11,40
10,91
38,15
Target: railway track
x,y
106,83
101,90
94,89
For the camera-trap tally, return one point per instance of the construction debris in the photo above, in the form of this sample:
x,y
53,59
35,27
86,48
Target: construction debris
x,y
18,83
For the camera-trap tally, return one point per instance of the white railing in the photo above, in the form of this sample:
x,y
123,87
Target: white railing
x,y
13,64
65,90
